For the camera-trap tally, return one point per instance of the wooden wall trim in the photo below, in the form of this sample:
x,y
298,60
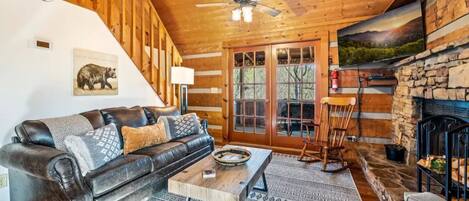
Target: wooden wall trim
x,y
375,140
369,90
208,72
373,115
370,115
205,109
215,127
447,29
337,67
200,56
212,90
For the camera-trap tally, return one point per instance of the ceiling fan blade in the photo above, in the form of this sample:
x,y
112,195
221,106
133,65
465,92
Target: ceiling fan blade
x,y
268,10
204,5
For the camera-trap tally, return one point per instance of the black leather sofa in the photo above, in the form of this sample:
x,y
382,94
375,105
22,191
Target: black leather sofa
x,y
38,171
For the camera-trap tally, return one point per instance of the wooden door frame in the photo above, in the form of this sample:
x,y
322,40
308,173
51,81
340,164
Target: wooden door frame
x,y
322,73
287,141
263,139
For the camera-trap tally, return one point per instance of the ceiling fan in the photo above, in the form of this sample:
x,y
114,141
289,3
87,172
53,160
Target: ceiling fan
x,y
244,8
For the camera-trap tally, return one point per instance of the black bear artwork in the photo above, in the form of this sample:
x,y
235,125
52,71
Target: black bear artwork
x,y
92,74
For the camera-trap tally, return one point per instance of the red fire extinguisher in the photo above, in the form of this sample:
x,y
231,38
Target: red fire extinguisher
x,y
335,80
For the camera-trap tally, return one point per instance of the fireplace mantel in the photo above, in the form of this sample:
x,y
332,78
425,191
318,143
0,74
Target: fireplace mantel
x,y
441,73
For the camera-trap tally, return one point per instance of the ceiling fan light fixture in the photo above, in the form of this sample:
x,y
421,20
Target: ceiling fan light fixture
x,y
247,13
236,14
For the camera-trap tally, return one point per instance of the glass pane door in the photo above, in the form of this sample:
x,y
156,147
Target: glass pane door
x,y
272,93
295,81
249,92
249,78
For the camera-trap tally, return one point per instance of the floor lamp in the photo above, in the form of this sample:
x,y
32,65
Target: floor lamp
x,y
183,76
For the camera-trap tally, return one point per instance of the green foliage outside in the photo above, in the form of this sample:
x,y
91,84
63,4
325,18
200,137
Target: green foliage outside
x,y
352,52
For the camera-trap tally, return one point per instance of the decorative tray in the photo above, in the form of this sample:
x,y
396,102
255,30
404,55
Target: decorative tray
x,y
232,156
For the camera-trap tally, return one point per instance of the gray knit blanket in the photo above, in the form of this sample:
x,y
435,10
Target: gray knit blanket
x,y
62,127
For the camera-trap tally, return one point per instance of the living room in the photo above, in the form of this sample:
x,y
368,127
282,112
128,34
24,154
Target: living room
x,y
234,100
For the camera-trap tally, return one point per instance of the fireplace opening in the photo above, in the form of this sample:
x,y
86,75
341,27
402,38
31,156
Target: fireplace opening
x,y
438,117
445,107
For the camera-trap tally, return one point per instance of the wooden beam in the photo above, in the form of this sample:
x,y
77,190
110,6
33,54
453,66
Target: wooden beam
x,y
109,11
142,37
152,63
133,35
122,21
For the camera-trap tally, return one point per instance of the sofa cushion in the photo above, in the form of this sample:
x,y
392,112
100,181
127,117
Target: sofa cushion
x,y
181,126
95,148
118,172
195,142
153,113
121,116
132,117
95,117
138,138
164,154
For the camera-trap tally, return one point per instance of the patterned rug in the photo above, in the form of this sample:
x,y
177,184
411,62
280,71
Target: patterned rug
x,y
289,179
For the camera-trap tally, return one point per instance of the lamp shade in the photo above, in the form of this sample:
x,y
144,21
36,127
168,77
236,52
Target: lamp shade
x,y
182,75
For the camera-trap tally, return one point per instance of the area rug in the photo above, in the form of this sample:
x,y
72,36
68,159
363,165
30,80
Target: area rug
x,y
291,180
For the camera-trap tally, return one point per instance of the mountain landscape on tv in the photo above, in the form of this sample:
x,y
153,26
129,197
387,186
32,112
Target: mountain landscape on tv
x,y
381,44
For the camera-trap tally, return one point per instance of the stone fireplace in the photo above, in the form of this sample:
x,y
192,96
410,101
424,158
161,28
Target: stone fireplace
x,y
441,73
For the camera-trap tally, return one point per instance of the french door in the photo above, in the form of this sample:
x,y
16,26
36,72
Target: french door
x,y
294,92
250,95
272,93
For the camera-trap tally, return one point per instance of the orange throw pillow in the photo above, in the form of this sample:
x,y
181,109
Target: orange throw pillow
x,y
138,138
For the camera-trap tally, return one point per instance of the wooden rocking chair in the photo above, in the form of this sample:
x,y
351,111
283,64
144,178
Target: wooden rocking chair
x,y
335,115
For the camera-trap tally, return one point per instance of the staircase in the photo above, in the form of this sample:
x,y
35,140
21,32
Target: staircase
x,y
140,31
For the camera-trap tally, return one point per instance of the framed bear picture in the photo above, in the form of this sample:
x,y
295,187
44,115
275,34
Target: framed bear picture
x,y
94,73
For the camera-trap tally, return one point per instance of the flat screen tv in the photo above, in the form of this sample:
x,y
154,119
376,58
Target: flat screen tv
x,y
383,40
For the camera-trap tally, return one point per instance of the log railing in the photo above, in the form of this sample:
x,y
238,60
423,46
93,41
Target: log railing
x,y
141,33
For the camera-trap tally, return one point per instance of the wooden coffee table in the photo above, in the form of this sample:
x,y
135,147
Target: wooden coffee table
x,y
230,184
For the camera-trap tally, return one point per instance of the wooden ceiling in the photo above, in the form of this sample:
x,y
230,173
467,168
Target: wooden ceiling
x,y
202,30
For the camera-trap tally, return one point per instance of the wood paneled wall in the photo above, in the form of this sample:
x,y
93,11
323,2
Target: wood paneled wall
x,y
202,32
376,102
206,95
446,21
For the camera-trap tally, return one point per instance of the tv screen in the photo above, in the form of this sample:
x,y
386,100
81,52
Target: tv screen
x,y
384,39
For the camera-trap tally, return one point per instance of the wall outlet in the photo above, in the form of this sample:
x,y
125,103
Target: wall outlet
x,y
3,180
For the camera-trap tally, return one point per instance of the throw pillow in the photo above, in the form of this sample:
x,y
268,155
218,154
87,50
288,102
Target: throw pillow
x,y
180,126
95,148
121,116
138,138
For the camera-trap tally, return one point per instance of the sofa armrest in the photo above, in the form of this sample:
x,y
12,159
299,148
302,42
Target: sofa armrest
x,y
46,163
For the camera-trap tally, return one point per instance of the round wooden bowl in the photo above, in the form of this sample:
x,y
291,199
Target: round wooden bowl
x,y
231,156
